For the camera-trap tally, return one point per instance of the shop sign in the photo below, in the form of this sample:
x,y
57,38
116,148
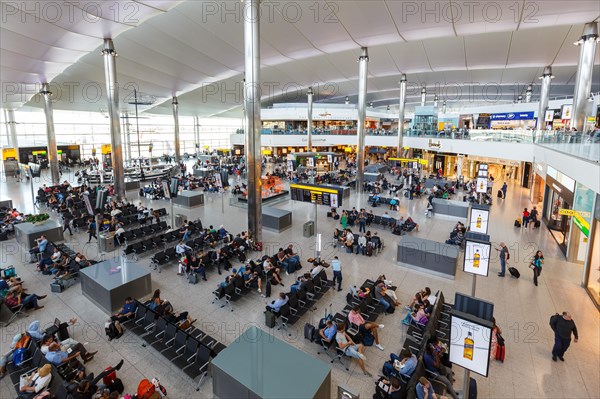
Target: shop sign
x,y
583,204
578,220
435,144
106,149
9,153
517,116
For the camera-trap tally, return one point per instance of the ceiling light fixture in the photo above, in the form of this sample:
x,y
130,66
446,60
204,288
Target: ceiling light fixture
x,y
347,100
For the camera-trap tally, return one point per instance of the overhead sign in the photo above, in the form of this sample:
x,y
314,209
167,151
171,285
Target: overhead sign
x,y
328,196
566,212
418,160
578,220
516,116
106,149
9,153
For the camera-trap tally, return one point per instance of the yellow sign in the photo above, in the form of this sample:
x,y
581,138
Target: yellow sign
x,y
9,153
419,160
566,212
106,149
267,152
314,189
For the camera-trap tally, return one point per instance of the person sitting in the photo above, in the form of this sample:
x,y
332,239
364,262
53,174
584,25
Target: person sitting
x,y
362,244
299,281
392,388
425,390
328,332
197,266
419,316
364,327
14,299
351,349
155,301
457,239
32,385
124,314
40,248
375,241
405,364
381,297
252,279
276,305
58,357
182,249
272,271
68,345
432,361
409,225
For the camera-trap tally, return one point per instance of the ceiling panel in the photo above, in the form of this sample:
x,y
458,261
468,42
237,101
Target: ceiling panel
x,y
487,50
381,62
446,53
368,22
409,56
523,51
421,20
552,13
569,52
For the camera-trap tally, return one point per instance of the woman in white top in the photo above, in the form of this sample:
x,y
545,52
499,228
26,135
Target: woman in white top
x,y
34,384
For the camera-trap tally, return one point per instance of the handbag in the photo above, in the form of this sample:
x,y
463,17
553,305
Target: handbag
x,y
500,339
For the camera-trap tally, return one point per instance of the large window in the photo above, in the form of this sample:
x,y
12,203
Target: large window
x,y
92,129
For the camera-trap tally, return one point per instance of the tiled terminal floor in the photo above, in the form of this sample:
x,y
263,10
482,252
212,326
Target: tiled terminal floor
x,y
521,309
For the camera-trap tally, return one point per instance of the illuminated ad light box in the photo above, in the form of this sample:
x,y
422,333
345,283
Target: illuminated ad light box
x,y
477,257
478,220
470,342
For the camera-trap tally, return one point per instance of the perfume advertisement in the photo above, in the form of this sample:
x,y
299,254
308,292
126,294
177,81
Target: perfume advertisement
x,y
477,258
479,220
470,345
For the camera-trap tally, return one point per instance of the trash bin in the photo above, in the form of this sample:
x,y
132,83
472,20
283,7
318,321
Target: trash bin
x,y
179,219
107,244
308,229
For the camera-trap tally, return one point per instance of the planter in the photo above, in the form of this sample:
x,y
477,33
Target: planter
x,y
40,223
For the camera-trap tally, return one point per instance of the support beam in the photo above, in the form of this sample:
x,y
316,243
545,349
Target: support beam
x,y
546,79
112,94
309,118
401,112
253,122
175,105
583,80
50,134
363,61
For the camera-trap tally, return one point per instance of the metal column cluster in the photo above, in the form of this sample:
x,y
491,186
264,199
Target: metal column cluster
x,y
544,96
362,116
50,134
583,80
401,112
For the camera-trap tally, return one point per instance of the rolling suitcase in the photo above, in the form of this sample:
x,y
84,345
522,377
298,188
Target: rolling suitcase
x,y
193,278
537,224
270,319
309,332
499,194
514,272
517,222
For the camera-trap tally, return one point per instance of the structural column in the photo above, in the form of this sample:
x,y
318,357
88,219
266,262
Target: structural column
x,y
401,112
252,116
435,101
175,105
362,116
444,107
309,118
112,95
196,134
11,130
528,94
50,134
583,81
423,96
546,78
127,127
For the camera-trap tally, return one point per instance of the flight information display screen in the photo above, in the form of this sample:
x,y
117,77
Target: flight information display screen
x,y
328,196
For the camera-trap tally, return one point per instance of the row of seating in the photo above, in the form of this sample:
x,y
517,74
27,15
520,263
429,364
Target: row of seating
x,y
159,240
190,350
145,231
417,336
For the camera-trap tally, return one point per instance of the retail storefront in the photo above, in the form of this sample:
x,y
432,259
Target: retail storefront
x,y
558,196
591,273
538,182
516,120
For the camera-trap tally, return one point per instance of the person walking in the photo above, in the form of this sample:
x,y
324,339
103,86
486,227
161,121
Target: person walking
x,y
91,230
67,219
504,188
536,266
563,326
336,267
504,256
526,217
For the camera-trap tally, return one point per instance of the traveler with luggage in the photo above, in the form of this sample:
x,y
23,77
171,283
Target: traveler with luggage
x,y
536,266
504,256
526,217
563,326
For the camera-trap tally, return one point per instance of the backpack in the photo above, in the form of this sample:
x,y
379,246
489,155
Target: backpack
x,y
349,298
19,356
111,331
553,320
23,342
368,339
145,389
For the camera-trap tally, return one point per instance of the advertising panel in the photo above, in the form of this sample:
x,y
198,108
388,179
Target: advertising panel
x,y
478,220
470,342
477,257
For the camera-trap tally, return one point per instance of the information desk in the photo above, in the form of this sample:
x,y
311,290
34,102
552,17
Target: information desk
x,y
189,199
450,207
276,219
6,203
428,256
108,283
27,233
258,365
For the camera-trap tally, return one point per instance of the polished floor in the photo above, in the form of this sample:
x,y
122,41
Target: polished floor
x,y
521,309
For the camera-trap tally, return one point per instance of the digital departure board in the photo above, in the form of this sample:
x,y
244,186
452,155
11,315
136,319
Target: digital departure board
x,y
329,196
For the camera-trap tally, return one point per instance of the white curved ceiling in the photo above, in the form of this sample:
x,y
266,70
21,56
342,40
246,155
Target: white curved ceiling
x,y
466,52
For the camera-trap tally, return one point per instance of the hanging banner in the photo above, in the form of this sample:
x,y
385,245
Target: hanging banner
x,y
106,149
